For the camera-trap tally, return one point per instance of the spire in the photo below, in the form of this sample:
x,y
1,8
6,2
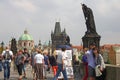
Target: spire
x,y
39,44
25,32
64,31
57,28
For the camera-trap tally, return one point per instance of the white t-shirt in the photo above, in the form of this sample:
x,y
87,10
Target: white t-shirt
x,y
39,58
61,56
10,52
64,56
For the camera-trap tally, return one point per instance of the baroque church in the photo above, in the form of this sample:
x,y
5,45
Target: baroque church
x,y
26,41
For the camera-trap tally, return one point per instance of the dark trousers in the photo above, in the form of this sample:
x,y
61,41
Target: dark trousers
x,y
103,76
6,67
20,67
0,66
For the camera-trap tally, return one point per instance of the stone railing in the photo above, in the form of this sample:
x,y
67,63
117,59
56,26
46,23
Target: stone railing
x,y
112,72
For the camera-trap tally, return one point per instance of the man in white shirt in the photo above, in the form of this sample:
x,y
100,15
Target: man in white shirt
x,y
7,56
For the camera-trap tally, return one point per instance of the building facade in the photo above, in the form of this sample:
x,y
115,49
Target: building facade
x,y
113,53
26,41
59,37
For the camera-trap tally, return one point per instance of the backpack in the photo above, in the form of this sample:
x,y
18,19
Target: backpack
x,y
84,59
19,59
7,55
27,55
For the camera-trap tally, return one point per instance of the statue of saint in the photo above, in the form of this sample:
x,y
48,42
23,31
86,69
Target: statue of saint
x,y
88,14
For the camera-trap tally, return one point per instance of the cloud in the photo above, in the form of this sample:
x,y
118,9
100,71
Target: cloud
x,y
39,17
24,4
105,7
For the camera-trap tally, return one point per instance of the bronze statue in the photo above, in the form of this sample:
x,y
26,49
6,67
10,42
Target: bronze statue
x,y
88,14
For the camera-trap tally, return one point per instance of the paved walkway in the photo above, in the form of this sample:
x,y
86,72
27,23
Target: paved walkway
x,y
14,74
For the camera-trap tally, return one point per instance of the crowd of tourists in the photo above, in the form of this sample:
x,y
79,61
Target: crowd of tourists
x,y
40,60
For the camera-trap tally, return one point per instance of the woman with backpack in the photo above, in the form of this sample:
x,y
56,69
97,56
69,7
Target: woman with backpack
x,y
19,61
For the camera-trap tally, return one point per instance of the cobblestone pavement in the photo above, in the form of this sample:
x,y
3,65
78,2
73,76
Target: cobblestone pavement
x,y
14,74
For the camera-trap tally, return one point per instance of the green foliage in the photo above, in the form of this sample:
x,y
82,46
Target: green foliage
x,y
80,57
14,46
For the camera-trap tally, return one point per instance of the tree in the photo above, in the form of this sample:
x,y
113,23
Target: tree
x,y
14,45
2,47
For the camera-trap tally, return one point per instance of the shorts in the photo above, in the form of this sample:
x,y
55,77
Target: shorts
x,y
91,71
20,67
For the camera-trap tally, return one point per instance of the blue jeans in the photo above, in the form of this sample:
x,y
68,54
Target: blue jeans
x,y
6,67
60,69
0,66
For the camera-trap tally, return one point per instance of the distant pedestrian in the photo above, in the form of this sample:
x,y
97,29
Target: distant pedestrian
x,y
53,63
100,65
39,65
75,61
19,61
1,66
46,61
61,64
26,62
7,57
32,61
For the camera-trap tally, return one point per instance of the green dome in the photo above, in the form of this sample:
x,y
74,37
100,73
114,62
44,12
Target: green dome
x,y
26,36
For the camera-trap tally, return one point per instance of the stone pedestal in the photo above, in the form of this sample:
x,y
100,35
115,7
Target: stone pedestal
x,y
90,38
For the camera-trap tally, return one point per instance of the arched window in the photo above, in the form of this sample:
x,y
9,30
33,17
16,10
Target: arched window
x,y
29,44
24,43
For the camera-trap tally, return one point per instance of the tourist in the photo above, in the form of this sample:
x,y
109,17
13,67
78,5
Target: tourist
x,y
0,63
53,63
85,63
75,60
32,61
39,65
55,53
19,61
100,65
91,62
61,64
46,61
26,62
7,56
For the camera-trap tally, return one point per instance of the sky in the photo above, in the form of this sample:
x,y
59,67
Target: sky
x,y
39,17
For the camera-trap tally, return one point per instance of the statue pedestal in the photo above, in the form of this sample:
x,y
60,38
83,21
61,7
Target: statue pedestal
x,y
89,38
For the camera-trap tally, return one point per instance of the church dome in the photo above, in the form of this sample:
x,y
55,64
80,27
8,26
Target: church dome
x,y
26,36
